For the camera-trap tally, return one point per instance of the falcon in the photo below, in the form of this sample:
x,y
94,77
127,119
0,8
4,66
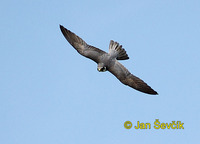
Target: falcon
x,y
108,61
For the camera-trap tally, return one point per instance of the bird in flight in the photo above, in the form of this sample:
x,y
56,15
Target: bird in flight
x,y
108,61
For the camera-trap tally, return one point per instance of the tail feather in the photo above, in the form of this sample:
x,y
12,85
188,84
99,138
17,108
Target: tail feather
x,y
117,51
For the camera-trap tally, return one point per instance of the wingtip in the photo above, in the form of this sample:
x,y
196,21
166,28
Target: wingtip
x,y
61,26
153,93
64,30
149,91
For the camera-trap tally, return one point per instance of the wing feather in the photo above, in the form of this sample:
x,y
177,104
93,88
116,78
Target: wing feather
x,y
129,79
81,46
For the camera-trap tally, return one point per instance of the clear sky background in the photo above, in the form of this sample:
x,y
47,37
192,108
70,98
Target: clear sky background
x,y
51,94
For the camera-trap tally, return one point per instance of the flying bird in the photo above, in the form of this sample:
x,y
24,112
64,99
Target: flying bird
x,y
108,61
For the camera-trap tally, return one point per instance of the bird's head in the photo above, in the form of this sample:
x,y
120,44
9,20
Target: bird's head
x,y
101,67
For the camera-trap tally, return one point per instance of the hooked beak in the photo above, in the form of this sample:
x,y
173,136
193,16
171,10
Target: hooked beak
x,y
101,69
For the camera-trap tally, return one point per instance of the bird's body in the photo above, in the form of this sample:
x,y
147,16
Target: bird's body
x,y
108,61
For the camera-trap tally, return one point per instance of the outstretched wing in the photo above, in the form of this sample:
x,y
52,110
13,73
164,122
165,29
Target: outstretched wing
x,y
81,46
129,79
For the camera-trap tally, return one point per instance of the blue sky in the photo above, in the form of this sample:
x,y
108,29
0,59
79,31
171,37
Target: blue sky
x,y
51,94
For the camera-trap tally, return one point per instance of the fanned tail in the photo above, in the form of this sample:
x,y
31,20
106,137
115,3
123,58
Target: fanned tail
x,y
116,50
